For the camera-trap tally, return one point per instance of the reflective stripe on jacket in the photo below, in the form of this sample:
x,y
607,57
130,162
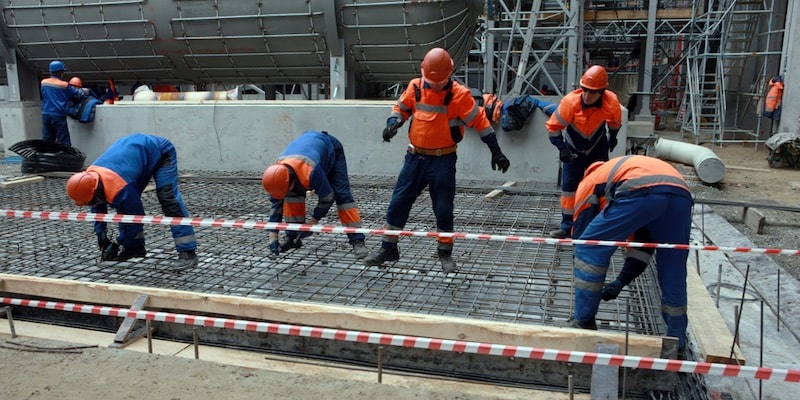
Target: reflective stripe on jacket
x,y
438,124
585,125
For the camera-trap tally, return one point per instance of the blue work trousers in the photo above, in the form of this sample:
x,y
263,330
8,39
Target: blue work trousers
x,y
166,179
54,128
668,218
438,173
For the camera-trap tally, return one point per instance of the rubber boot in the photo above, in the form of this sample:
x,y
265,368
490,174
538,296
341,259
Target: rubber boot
x,y
387,252
446,258
186,259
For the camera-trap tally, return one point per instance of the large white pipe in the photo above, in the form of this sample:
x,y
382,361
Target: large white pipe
x,y
709,167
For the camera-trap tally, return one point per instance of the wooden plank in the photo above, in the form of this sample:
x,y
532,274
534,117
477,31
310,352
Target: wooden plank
x,y
498,192
708,327
331,316
616,15
21,180
124,331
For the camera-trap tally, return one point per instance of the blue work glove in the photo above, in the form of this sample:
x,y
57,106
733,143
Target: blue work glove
x,y
274,247
566,156
392,125
612,142
611,290
500,161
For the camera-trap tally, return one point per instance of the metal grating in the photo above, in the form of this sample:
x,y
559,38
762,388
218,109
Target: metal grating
x,y
500,281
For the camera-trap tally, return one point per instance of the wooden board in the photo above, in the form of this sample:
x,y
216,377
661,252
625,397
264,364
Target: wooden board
x,y
708,327
330,316
498,192
21,180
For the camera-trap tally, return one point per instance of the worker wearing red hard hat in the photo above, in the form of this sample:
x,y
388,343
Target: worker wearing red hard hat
x,y
591,116
117,179
440,108
314,161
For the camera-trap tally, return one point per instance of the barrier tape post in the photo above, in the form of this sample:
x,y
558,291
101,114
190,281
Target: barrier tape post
x,y
658,364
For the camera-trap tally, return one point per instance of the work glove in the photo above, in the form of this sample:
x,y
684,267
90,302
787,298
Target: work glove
x,y
500,161
611,290
110,252
612,142
566,156
274,247
392,125
102,240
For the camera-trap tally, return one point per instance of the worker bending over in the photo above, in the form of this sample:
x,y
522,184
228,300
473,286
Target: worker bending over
x,y
118,178
617,199
314,161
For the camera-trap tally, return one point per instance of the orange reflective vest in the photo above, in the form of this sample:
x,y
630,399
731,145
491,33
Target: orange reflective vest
x,y
439,118
584,124
773,101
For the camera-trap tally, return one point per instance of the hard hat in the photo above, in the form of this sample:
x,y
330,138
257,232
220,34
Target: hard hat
x,y
592,167
595,78
56,66
81,187
493,107
276,180
437,66
75,81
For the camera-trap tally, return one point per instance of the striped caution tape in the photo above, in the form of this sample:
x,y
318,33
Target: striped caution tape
x,y
657,364
250,224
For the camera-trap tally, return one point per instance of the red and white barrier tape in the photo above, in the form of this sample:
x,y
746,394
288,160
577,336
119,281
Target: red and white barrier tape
x,y
658,364
249,224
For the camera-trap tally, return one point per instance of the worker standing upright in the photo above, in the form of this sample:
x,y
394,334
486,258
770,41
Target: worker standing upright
x,y
56,96
440,107
772,104
587,114
118,178
314,161
622,197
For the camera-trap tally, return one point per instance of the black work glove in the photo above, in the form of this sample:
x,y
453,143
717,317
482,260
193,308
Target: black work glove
x,y
566,156
500,161
612,142
102,240
611,290
392,125
274,247
110,252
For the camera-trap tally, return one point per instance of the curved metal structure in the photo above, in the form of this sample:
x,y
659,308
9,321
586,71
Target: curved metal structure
x,y
215,41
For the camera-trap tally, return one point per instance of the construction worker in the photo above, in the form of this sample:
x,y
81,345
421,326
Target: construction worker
x,y
117,179
772,104
56,96
440,107
632,195
314,161
587,114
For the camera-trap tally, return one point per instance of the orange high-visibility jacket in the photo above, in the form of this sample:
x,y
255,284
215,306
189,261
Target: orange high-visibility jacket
x,y
584,124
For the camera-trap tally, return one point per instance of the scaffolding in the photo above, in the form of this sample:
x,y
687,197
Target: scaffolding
x,y
704,62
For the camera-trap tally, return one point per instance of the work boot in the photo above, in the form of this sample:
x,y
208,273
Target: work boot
x,y
573,323
381,256
359,249
448,265
126,254
288,243
559,233
186,259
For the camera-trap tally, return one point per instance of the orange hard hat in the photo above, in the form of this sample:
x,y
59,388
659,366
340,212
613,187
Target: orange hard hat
x,y
81,187
595,78
592,167
437,66
275,180
493,107
75,81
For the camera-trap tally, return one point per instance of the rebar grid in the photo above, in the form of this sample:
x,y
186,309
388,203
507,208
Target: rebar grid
x,y
499,281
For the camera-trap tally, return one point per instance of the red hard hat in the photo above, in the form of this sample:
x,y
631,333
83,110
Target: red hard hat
x,y
75,81
81,187
437,66
595,78
275,180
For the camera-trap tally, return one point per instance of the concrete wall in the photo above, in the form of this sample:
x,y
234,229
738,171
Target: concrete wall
x,y
249,135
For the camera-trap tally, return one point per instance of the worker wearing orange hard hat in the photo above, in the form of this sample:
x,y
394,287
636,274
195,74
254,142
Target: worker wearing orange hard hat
x,y
313,161
117,179
440,108
591,116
